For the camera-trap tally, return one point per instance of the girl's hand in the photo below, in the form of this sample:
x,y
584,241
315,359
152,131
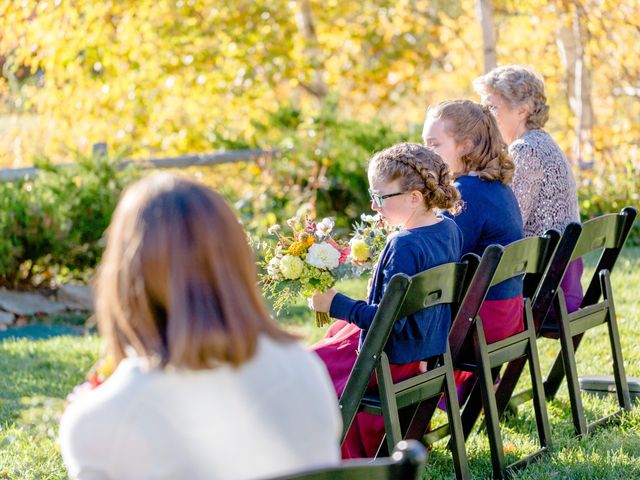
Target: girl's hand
x,y
321,302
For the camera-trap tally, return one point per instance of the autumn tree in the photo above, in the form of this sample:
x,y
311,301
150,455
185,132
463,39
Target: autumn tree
x,y
180,76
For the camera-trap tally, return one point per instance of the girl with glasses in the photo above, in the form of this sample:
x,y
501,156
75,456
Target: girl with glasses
x,y
409,186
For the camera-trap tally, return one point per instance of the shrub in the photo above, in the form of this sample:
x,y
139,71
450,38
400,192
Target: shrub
x,y
51,225
607,189
321,169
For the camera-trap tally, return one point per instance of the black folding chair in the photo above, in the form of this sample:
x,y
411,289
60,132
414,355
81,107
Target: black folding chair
x,y
406,463
528,257
608,234
462,285
541,289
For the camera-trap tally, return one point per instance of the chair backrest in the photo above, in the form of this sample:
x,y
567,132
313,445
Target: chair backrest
x,y
529,257
609,234
404,295
542,299
464,319
406,463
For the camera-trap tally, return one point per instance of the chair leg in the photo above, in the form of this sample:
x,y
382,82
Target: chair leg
x,y
471,410
388,403
622,388
489,402
571,372
456,444
508,383
421,417
539,405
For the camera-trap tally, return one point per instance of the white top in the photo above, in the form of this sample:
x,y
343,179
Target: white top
x,y
273,415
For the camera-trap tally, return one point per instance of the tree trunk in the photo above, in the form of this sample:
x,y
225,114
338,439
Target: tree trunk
x,y
484,11
304,20
571,44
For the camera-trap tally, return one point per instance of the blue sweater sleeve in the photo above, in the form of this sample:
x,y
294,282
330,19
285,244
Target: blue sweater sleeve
x,y
400,259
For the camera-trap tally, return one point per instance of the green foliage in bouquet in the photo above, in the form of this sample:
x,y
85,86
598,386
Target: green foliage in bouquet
x,y
367,241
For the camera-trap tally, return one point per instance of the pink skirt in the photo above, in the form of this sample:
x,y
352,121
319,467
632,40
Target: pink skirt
x,y
500,319
339,350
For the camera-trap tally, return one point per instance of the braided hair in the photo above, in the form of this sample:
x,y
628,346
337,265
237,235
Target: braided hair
x,y
470,121
418,168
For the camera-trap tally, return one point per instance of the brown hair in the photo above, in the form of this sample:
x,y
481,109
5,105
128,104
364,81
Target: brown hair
x,y
471,122
418,168
178,282
517,85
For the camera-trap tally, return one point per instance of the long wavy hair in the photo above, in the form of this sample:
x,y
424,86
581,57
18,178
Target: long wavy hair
x,y
472,123
177,283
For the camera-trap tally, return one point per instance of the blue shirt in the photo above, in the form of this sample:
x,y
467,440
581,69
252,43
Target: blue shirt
x,y
412,251
490,215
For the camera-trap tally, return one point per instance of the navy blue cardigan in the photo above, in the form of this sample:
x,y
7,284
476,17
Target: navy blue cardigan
x,y
412,251
490,215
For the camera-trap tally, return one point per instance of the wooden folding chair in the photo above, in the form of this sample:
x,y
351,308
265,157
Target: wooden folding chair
x,y
462,285
529,257
608,234
406,463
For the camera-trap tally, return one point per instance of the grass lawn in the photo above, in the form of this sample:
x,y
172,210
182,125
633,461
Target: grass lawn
x,y
37,375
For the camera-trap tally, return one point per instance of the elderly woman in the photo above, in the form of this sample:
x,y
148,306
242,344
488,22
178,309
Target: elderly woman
x,y
543,182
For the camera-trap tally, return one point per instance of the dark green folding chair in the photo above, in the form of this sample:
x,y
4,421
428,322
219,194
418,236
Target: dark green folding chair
x,y
542,291
529,257
608,234
406,463
463,285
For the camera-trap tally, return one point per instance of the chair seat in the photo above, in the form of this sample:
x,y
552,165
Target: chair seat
x,y
500,352
409,391
580,321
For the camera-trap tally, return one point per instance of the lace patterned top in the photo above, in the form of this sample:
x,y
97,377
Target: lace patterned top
x,y
543,184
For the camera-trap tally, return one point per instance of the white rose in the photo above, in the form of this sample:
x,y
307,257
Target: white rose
x,y
291,267
322,255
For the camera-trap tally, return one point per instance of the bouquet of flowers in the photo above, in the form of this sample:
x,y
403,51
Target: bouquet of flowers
x,y
306,260
367,241
97,375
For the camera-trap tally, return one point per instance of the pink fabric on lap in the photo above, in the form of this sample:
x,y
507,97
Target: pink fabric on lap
x,y
500,319
338,351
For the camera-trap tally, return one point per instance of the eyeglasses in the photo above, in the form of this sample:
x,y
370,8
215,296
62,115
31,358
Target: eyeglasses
x,y
377,199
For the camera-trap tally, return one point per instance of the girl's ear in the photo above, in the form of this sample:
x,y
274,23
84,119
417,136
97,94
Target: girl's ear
x,y
465,147
416,196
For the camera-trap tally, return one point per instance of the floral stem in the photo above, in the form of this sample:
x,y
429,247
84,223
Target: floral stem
x,y
322,318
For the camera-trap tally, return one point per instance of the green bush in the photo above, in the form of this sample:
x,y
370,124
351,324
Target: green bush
x,y
607,189
321,169
51,225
